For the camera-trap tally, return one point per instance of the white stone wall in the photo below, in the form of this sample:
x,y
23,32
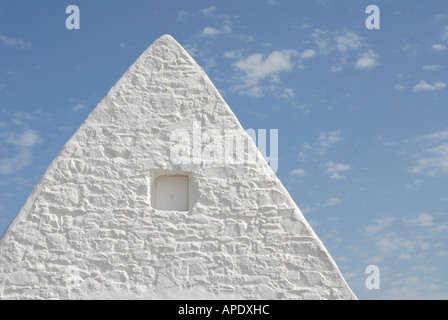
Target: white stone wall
x,y
88,229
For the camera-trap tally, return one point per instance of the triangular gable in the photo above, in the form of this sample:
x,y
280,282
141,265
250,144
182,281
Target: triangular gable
x,y
99,225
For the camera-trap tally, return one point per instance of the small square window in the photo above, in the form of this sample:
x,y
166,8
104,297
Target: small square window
x,y
171,193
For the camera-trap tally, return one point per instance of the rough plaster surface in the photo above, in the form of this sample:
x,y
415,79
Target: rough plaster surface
x,y
88,229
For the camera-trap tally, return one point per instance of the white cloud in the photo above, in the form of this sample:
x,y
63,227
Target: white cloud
x,y
409,48
222,26
298,172
422,220
441,16
326,4
2,86
439,228
16,146
257,67
349,41
404,256
336,176
389,242
182,15
332,202
340,41
424,268
334,169
414,184
235,54
399,87
409,287
306,146
326,139
434,137
424,86
210,32
378,226
308,53
78,107
438,47
26,139
336,68
367,61
208,12
432,67
345,43
213,33
444,35
16,162
26,115
226,29
14,42
254,91
288,94
323,41
435,162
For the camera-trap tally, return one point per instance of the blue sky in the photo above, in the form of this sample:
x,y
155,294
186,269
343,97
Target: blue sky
x,y
362,114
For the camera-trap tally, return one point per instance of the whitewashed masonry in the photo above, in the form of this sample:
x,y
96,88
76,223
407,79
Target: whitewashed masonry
x,y
90,228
